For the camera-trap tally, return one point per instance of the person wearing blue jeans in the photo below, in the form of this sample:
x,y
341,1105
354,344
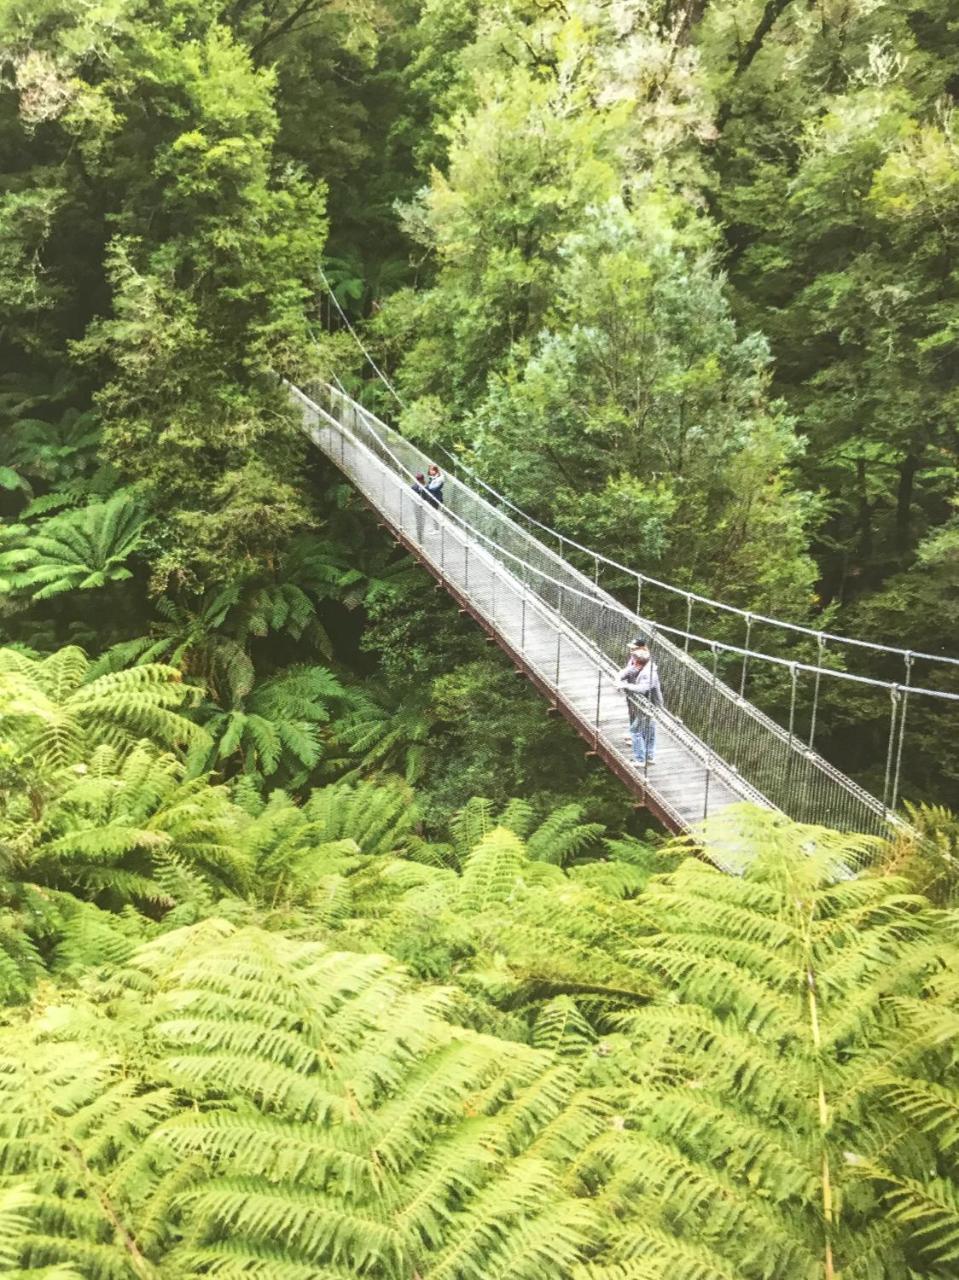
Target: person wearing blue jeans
x,y
639,680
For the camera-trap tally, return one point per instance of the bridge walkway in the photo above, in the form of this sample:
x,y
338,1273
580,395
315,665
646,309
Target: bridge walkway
x,y
688,780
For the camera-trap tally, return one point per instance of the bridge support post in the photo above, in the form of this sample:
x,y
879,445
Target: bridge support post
x,y
709,733
599,697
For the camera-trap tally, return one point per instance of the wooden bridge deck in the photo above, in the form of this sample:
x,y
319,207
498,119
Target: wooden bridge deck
x,y
685,784
681,787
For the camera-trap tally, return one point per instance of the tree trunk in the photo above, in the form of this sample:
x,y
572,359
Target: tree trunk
x,y
865,514
749,50
907,479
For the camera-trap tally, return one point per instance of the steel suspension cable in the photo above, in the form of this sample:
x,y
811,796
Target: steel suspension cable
x,y
598,557
712,713
815,692
610,602
902,730
891,743
793,680
742,678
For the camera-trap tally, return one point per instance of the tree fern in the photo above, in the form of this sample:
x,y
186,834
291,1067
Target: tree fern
x,y
520,933
560,940
113,832
292,866
562,836
927,853
275,726
77,550
56,454
468,827
927,1208
384,735
561,1029
53,713
100,835
379,817
557,839
21,962
192,640
758,1093
246,1105
492,871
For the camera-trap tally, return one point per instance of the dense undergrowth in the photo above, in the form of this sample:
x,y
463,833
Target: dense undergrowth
x,y
251,1035
282,996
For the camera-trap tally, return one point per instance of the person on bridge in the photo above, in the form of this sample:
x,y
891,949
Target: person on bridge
x,y
639,679
434,485
422,490
419,488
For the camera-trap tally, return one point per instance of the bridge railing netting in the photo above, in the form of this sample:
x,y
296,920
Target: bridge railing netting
x,y
770,763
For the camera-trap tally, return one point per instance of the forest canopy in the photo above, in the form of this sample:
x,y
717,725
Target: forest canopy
x,y
324,950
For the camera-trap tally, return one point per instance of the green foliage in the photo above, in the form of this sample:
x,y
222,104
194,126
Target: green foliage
x,y
839,196
52,712
927,853
681,281
557,839
383,737
379,817
326,1116
230,1099
491,872
112,824
78,550
155,239
594,358
292,868
515,931
274,725
751,1142
32,450
191,639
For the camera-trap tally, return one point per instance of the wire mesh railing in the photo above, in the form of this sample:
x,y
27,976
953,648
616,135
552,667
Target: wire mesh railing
x,y
733,739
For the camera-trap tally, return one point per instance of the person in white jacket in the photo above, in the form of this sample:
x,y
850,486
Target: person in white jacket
x,y
639,680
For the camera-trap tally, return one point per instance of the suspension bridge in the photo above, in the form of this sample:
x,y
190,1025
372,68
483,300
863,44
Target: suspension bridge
x,y
569,636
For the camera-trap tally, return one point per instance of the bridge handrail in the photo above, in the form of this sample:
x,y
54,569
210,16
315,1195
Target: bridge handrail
x,y
591,590
748,615
822,637
470,536
728,727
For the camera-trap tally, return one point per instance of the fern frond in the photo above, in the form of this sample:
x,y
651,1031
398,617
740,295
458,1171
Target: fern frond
x,y
562,836
470,825
378,817
519,817
492,870
560,1029
241,1099
928,1210
53,712
80,549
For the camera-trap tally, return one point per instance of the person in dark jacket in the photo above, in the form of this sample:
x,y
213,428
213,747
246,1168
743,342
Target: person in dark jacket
x,y
434,484
639,680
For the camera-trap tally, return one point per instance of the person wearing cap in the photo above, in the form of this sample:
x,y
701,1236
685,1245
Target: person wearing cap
x,y
639,679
